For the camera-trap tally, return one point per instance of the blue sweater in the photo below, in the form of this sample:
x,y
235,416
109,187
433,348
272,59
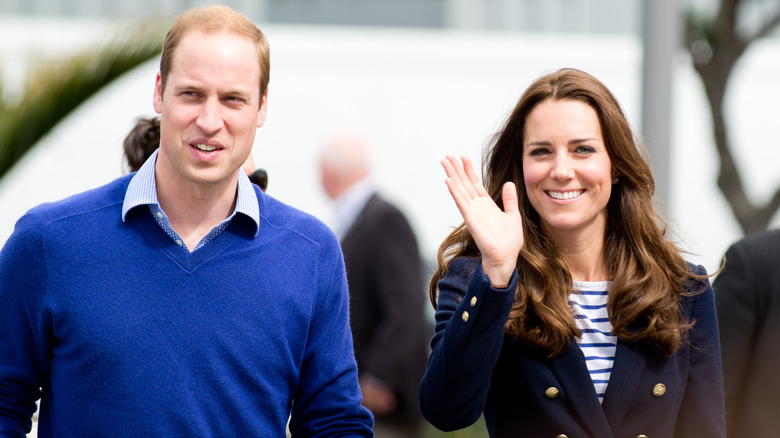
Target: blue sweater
x,y
129,334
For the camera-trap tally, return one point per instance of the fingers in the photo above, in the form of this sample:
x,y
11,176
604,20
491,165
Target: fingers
x,y
468,168
460,175
509,197
460,188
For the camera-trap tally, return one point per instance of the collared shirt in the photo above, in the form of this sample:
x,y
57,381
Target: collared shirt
x,y
142,190
350,203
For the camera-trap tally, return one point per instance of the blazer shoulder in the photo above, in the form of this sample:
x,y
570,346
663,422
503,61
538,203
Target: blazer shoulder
x,y
758,248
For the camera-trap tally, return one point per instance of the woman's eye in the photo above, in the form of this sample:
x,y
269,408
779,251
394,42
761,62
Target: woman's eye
x,y
539,152
586,149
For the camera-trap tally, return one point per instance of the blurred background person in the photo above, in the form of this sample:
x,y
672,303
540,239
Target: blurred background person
x,y
141,142
144,139
384,272
259,177
747,298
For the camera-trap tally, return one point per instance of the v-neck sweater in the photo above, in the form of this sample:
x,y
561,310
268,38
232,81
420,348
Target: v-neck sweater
x,y
129,334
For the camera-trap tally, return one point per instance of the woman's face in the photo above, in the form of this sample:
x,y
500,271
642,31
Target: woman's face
x,y
567,171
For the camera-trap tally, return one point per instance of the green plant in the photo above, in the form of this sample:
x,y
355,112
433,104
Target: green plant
x,y
56,87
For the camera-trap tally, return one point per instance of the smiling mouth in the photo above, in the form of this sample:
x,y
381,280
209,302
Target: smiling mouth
x,y
564,195
205,147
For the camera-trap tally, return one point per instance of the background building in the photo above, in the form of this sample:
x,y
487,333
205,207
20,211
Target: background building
x,y
421,79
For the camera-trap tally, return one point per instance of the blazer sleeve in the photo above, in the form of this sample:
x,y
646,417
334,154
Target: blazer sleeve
x,y
469,335
737,304
702,412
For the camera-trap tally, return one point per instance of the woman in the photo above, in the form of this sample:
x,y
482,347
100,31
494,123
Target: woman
x,y
562,309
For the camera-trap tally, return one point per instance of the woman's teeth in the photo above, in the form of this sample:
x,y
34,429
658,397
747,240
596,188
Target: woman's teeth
x,y
564,195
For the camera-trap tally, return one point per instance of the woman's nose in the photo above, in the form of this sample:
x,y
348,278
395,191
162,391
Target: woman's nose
x,y
562,168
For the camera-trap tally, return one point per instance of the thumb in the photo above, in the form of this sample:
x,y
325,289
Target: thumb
x,y
509,198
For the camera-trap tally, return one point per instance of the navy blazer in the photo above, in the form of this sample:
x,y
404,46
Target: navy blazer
x,y
475,368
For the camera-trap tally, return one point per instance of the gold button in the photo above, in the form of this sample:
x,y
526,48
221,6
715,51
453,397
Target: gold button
x,y
561,436
641,436
551,392
465,316
659,390
473,301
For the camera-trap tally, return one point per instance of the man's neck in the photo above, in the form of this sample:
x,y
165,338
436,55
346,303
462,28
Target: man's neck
x,y
194,209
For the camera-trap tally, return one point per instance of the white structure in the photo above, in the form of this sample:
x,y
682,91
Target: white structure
x,y
418,95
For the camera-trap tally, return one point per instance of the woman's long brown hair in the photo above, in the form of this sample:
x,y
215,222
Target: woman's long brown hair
x,y
649,273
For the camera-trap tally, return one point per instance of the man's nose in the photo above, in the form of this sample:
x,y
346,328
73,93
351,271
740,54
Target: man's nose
x,y
210,117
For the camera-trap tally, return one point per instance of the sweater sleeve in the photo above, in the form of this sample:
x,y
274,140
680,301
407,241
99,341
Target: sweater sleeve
x,y
470,319
328,400
702,411
24,339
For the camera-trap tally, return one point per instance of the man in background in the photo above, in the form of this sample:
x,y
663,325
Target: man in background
x,y
747,298
387,298
181,300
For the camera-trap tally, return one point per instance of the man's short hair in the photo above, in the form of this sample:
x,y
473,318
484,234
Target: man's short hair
x,y
214,19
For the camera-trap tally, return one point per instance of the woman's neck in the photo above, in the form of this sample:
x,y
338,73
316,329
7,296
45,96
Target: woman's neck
x,y
584,255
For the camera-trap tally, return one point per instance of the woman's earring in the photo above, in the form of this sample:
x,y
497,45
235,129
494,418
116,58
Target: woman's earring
x,y
615,181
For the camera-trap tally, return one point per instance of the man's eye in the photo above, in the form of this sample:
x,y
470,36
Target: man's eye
x,y
235,99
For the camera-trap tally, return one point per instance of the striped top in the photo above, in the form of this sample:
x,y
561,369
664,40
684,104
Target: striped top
x,y
589,302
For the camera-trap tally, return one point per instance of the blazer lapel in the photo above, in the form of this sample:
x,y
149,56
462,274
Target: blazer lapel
x,y
572,373
624,381
359,219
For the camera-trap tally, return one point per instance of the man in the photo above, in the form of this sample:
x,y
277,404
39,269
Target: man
x,y
747,298
386,289
181,300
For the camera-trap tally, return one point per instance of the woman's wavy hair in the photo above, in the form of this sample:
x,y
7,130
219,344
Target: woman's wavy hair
x,y
649,272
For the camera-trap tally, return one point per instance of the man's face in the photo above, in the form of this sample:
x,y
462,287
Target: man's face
x,y
209,111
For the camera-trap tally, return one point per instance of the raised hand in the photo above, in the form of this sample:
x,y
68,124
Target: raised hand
x,y
498,234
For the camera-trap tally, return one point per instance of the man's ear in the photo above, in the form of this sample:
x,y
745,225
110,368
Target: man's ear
x,y
157,100
263,111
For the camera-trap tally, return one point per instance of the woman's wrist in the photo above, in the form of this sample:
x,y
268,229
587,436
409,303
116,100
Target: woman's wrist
x,y
499,276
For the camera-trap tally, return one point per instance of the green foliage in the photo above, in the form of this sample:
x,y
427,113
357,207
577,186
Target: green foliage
x,y
57,87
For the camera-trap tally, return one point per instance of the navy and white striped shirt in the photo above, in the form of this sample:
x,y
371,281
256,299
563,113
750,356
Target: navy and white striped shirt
x,y
589,302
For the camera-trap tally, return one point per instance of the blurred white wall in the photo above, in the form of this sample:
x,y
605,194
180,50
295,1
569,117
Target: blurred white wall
x,y
417,95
